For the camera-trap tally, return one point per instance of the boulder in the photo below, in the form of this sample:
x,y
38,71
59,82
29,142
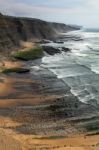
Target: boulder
x,y
51,50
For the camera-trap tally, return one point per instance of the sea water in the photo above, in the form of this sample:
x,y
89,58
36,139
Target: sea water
x,y
78,68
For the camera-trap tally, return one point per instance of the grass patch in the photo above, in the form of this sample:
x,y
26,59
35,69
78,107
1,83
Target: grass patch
x,y
15,70
50,137
29,54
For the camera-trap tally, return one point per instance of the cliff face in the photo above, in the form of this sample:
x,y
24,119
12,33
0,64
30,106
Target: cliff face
x,y
60,27
13,30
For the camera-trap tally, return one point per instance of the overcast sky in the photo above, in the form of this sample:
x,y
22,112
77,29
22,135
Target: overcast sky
x,y
81,12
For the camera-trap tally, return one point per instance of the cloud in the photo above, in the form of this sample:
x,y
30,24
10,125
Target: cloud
x,y
69,11
12,7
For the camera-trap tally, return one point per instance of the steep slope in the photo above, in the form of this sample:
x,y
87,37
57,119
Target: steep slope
x,y
60,27
13,30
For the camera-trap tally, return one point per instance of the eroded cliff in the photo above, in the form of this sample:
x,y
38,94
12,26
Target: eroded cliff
x,y
14,29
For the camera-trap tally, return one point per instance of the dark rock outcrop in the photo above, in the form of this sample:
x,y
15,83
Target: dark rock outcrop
x,y
51,50
54,50
65,49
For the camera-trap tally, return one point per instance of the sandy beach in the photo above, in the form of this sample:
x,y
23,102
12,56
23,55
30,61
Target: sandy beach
x,y
29,119
38,112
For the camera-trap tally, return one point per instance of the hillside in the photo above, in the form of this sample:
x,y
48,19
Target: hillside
x,y
14,29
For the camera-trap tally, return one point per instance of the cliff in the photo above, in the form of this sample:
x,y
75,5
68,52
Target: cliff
x,y
60,27
14,29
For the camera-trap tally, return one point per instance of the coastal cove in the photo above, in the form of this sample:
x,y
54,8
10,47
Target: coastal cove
x,y
49,86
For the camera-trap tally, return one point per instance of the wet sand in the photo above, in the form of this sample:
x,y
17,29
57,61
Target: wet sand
x,y
35,113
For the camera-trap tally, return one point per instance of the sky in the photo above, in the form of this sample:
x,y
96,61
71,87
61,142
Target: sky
x,y
80,12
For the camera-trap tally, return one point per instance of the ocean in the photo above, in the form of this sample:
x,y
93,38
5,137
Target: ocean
x,y
79,68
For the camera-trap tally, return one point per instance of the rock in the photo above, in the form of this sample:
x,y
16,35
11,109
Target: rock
x,y
44,41
51,50
58,41
16,70
65,49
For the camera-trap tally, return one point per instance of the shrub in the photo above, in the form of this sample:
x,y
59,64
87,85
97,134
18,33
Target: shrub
x,y
29,54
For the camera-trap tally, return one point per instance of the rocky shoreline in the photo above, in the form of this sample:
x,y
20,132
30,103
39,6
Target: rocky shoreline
x,y
44,112
42,105
39,108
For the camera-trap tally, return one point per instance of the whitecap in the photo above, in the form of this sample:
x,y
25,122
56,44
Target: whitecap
x,y
36,68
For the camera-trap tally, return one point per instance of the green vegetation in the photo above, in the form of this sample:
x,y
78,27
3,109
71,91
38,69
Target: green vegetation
x,y
50,137
15,70
29,54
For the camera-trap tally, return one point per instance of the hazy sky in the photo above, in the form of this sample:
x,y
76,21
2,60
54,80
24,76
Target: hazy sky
x,y
81,12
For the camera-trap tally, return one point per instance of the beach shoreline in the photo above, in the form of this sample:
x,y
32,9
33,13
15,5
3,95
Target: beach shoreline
x,y
39,109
